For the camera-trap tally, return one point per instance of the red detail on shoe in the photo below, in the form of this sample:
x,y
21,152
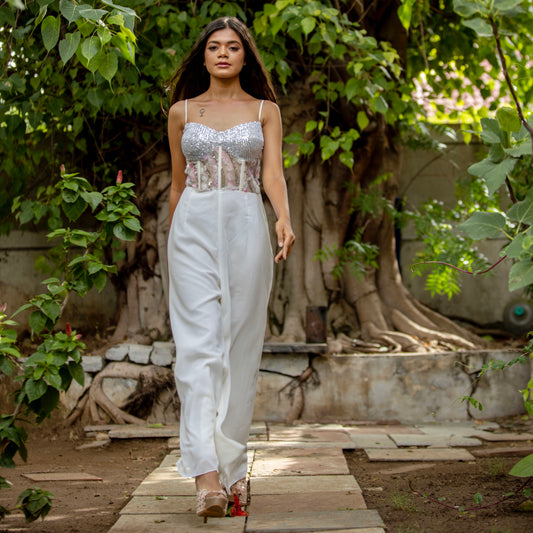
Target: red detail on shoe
x,y
236,510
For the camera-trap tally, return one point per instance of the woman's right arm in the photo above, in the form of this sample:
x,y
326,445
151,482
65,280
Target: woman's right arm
x,y
176,123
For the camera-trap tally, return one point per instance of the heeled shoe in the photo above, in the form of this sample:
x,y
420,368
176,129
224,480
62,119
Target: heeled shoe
x,y
240,488
211,503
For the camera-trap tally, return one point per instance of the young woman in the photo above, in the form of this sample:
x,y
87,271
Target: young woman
x,y
224,132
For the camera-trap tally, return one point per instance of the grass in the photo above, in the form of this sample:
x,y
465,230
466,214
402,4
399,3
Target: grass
x,y
402,501
497,467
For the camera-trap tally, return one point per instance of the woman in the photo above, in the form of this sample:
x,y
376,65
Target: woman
x,y
223,123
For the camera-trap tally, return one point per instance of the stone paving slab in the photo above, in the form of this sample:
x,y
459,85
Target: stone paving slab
x,y
465,429
160,505
176,523
503,437
306,427
377,440
60,476
313,521
308,435
170,460
358,530
180,486
518,451
381,429
434,440
420,454
313,461
270,444
140,432
258,428
317,501
302,484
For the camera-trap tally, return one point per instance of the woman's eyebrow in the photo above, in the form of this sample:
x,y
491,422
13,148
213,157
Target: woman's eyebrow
x,y
226,42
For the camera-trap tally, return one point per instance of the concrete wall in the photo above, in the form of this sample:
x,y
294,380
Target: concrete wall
x,y
428,175
410,388
19,281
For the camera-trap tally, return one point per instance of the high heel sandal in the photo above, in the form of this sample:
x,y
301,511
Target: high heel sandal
x,y
240,488
211,503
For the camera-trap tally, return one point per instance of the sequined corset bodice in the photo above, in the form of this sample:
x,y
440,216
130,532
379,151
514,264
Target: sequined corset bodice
x,y
229,159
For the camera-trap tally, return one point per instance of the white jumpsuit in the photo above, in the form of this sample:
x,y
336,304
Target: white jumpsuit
x,y
220,276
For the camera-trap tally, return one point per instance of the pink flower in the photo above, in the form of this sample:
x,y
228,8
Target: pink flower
x,y
3,308
62,169
78,336
119,176
68,329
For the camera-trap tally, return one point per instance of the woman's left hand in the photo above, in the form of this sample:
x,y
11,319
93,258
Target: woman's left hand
x,y
286,239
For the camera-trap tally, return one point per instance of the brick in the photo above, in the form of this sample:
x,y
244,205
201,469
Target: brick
x,y
162,353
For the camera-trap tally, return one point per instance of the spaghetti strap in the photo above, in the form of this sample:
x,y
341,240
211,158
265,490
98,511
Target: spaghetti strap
x,y
261,109
185,111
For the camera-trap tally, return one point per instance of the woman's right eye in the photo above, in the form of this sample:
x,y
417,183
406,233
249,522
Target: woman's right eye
x,y
212,48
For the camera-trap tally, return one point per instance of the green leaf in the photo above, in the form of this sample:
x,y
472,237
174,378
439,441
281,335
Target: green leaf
x,y
35,389
51,309
37,321
495,178
108,65
308,25
482,225
69,10
50,31
362,120
480,26
92,198
88,12
77,372
132,223
515,248
508,119
522,212
525,148
524,467
74,210
123,233
491,132
521,275
465,8
69,45
405,12
90,47
100,280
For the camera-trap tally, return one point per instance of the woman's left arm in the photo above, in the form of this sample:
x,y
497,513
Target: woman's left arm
x,y
274,180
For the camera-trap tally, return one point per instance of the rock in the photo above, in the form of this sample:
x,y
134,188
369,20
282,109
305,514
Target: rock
x,y
117,353
92,363
163,353
139,353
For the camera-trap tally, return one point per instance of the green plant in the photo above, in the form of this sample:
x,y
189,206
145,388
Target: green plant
x,y
497,467
78,260
402,501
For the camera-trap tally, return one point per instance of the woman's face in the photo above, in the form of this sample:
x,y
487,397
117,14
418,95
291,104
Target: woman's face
x,y
224,54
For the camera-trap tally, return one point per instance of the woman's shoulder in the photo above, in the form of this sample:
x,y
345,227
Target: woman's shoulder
x,y
176,113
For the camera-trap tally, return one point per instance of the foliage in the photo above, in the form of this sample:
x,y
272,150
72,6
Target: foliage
x,y
79,261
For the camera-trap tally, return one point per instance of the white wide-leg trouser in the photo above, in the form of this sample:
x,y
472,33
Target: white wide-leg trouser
x,y
220,277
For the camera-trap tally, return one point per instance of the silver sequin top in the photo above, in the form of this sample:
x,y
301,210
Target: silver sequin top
x,y
228,159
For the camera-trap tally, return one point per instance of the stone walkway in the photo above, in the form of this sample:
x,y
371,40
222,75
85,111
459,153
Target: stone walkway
x,y
299,478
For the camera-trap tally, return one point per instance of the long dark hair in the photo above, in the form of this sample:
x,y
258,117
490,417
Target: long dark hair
x,y
192,79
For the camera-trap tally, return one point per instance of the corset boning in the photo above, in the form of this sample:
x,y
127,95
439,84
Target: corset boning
x,y
229,159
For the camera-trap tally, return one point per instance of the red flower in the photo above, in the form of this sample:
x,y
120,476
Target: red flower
x,y
62,169
68,329
119,176
3,308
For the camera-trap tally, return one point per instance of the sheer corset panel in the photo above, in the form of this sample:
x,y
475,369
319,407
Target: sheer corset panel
x,y
228,159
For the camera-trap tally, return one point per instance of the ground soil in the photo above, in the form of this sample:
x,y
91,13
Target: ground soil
x,y
412,502
80,506
93,506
